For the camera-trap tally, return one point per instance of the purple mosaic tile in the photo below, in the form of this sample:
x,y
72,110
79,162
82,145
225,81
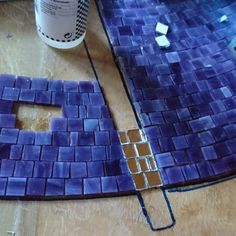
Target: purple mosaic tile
x,y
184,95
69,159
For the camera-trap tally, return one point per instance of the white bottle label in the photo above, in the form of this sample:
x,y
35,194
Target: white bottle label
x,y
61,20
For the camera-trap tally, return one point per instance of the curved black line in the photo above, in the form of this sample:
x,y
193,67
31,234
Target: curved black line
x,y
188,189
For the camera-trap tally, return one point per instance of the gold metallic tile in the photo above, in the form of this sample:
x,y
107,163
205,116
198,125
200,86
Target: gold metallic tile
x,y
132,165
134,135
123,137
152,164
143,165
143,149
153,179
129,150
139,181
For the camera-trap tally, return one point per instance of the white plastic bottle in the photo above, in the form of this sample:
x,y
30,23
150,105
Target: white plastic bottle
x,y
61,23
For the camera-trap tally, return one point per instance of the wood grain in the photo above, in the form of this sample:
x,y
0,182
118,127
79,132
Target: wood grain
x,y
209,211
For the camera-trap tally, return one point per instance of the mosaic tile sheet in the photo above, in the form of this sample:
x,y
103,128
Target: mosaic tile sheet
x,y
80,156
185,94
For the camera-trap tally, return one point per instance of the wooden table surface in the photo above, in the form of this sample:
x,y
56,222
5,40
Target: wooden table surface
x,y
209,211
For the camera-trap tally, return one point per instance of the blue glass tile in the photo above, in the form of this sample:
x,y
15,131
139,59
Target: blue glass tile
x,y
195,155
125,183
112,168
43,97
190,172
7,80
61,170
83,153
78,170
3,184
230,130
96,99
71,86
206,138
92,186
24,169
55,85
36,187
11,94
115,152
106,124
102,138
43,138
219,166
85,138
222,149
109,184
43,169
5,151
15,152
5,107
74,99
16,186
69,111
58,124
27,95
86,87
7,120
75,124
174,175
26,137
39,84
49,153
180,157
98,153
61,138
66,154
91,125
204,169
23,82
73,187
31,152
9,135
74,136
55,187
58,98
209,153
7,168
164,160
180,142
95,169
94,112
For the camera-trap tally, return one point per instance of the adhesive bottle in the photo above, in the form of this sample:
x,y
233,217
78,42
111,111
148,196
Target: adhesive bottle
x,y
61,23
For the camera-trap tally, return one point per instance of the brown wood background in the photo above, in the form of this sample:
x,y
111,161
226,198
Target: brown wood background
x,y
210,211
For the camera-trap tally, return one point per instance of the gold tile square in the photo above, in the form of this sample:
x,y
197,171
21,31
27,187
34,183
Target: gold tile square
x,y
132,165
153,179
134,135
139,181
152,163
123,137
143,149
143,165
129,150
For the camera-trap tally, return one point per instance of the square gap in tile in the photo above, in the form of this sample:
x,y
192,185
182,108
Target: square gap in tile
x,y
34,117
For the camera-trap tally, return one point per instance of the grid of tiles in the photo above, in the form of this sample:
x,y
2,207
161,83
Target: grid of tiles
x,y
184,95
80,156
140,159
